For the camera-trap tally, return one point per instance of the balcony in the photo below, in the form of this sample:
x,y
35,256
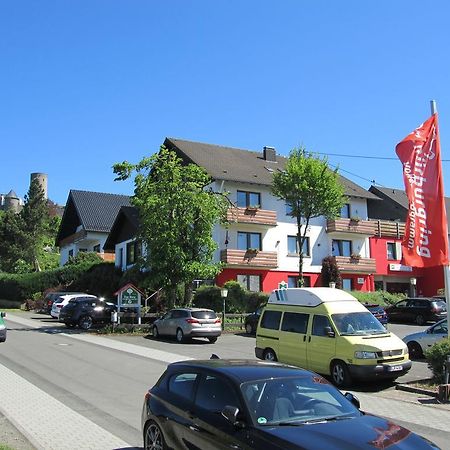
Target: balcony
x,y
347,264
248,258
353,226
253,216
388,228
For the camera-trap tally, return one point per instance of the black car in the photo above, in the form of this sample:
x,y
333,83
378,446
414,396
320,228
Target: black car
x,y
223,404
85,311
418,310
251,321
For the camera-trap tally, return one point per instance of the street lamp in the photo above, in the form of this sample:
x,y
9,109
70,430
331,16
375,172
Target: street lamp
x,y
223,294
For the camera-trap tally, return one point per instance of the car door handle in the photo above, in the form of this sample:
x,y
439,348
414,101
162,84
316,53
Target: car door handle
x,y
194,428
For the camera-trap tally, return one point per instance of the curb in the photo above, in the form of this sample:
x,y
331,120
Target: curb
x,y
416,390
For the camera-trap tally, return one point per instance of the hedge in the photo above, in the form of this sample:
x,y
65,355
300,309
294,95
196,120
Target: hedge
x,y
96,278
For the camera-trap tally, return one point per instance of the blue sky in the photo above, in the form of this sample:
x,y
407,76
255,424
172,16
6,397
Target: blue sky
x,y
85,84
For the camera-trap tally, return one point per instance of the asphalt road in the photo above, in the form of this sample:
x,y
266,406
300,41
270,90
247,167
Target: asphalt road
x,y
107,386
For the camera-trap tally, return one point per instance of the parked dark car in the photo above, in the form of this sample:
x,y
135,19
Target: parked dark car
x,y
2,327
379,312
223,404
417,310
251,321
85,312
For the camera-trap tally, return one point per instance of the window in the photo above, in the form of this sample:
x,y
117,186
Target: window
x,y
213,394
120,257
96,248
70,253
271,320
341,248
319,325
182,384
345,211
288,209
293,246
249,240
391,250
347,284
133,252
293,281
250,282
295,322
246,199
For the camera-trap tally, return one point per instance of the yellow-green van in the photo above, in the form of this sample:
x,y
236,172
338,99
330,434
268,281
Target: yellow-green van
x,y
328,331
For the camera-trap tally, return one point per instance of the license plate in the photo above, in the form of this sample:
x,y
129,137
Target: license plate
x,y
394,368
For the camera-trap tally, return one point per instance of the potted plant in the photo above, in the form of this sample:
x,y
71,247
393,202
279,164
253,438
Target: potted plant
x,y
355,257
252,251
355,219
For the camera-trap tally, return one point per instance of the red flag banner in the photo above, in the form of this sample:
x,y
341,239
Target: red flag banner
x,y
426,240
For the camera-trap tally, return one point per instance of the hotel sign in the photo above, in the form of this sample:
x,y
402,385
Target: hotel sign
x,y
400,268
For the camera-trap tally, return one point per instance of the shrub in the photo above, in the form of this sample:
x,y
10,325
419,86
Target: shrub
x,y
436,357
330,272
378,297
238,300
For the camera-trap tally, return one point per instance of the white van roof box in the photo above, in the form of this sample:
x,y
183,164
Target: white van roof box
x,y
309,296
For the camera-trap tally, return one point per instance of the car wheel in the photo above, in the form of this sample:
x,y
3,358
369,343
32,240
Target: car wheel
x,y
270,355
180,335
414,350
249,328
340,374
420,320
69,324
212,340
153,437
155,332
85,322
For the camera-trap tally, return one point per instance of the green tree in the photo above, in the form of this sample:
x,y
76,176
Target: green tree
x,y
310,189
12,242
35,223
178,212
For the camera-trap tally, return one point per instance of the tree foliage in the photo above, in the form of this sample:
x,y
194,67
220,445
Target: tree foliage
x,y
177,211
310,189
27,238
330,272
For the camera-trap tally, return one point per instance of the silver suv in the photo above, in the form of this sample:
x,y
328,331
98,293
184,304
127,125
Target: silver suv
x,y
185,323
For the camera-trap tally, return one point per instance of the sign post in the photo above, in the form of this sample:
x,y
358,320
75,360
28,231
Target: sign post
x,y
129,297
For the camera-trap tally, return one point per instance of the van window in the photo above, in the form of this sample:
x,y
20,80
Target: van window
x,y
295,322
319,324
271,320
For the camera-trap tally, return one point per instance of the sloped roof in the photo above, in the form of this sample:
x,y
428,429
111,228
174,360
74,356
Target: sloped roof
x,y
396,195
11,194
399,198
124,227
94,211
243,166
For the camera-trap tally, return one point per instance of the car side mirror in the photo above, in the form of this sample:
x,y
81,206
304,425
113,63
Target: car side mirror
x,y
329,332
2,314
230,413
352,399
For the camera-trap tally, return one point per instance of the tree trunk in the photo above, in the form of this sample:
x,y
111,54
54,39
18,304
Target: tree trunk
x,y
301,281
188,294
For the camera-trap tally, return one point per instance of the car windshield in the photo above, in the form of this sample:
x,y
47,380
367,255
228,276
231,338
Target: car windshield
x,y
295,400
357,323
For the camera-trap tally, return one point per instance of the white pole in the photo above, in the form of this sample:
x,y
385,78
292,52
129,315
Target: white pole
x,y
446,267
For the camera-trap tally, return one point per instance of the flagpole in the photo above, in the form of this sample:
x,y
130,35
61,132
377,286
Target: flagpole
x,y
446,266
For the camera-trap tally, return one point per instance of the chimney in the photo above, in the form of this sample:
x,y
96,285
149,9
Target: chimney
x,y
269,154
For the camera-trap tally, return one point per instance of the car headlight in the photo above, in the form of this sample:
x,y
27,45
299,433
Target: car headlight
x,y
365,355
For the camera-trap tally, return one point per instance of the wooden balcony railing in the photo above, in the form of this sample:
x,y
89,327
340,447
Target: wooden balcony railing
x,y
388,228
243,258
347,264
340,225
255,216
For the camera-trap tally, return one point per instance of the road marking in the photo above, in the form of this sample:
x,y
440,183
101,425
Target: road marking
x,y
46,422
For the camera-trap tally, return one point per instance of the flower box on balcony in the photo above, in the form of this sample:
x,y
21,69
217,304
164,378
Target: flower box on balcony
x,y
355,257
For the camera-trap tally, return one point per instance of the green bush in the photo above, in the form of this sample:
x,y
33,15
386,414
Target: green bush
x,y
238,300
436,357
382,298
